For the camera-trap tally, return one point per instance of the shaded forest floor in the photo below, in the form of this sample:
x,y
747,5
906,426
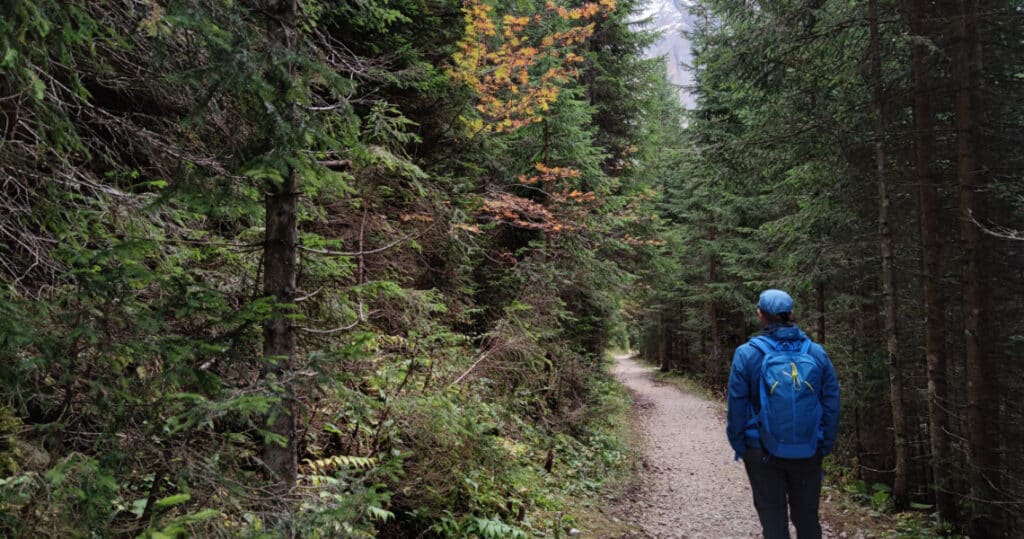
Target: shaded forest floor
x,y
686,483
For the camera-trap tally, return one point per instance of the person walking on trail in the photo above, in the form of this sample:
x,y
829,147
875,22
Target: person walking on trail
x,y
783,417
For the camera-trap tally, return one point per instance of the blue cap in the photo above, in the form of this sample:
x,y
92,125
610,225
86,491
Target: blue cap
x,y
774,301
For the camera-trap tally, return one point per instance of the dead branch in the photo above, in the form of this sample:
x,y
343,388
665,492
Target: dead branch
x,y
1000,232
328,252
336,164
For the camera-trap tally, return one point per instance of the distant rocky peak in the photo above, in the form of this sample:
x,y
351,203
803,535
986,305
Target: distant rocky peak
x,y
670,18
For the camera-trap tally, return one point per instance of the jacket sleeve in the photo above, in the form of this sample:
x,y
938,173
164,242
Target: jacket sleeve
x,y
830,405
738,403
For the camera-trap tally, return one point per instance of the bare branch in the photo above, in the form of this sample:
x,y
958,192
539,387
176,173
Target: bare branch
x,y
361,318
336,164
1000,232
307,296
328,252
202,243
480,358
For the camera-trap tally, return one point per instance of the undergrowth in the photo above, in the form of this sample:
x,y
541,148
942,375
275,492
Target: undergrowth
x,y
261,276
853,504
605,480
489,473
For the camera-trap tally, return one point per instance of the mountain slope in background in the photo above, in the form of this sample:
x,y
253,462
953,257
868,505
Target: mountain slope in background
x,y
670,18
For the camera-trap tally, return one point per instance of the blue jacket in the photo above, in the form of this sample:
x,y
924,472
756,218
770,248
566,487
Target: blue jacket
x,y
745,395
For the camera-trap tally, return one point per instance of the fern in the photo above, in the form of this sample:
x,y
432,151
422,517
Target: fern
x,y
318,470
492,528
329,464
379,513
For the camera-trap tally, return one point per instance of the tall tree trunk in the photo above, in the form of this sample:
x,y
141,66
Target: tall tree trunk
x,y
279,283
899,490
928,207
713,360
819,289
662,345
280,273
982,402
684,353
673,352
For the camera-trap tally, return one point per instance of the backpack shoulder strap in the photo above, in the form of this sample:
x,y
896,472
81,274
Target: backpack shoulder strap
x,y
764,344
806,346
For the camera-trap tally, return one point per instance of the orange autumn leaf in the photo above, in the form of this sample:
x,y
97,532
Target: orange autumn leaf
x,y
498,68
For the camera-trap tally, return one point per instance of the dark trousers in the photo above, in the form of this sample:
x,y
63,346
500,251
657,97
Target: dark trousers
x,y
773,482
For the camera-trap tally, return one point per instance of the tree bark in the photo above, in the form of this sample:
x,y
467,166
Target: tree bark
x,y
819,289
280,274
982,402
928,208
899,491
279,335
714,362
662,345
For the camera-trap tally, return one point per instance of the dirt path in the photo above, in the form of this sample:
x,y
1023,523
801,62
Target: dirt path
x,y
690,486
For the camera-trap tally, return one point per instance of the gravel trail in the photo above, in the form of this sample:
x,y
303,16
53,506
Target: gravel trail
x,y
690,487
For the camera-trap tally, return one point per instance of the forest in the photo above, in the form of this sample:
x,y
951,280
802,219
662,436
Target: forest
x,y
313,268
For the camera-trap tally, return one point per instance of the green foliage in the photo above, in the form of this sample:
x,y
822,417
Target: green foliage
x,y
9,454
877,495
82,494
773,182
136,401
918,526
181,525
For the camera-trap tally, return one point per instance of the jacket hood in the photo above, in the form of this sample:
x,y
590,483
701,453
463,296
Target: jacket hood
x,y
781,332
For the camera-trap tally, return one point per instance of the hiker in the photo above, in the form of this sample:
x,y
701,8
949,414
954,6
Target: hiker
x,y
782,443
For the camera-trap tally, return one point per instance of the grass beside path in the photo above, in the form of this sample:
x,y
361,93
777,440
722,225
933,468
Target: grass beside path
x,y
593,511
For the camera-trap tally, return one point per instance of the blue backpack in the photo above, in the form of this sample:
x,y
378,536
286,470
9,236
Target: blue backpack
x,y
789,423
